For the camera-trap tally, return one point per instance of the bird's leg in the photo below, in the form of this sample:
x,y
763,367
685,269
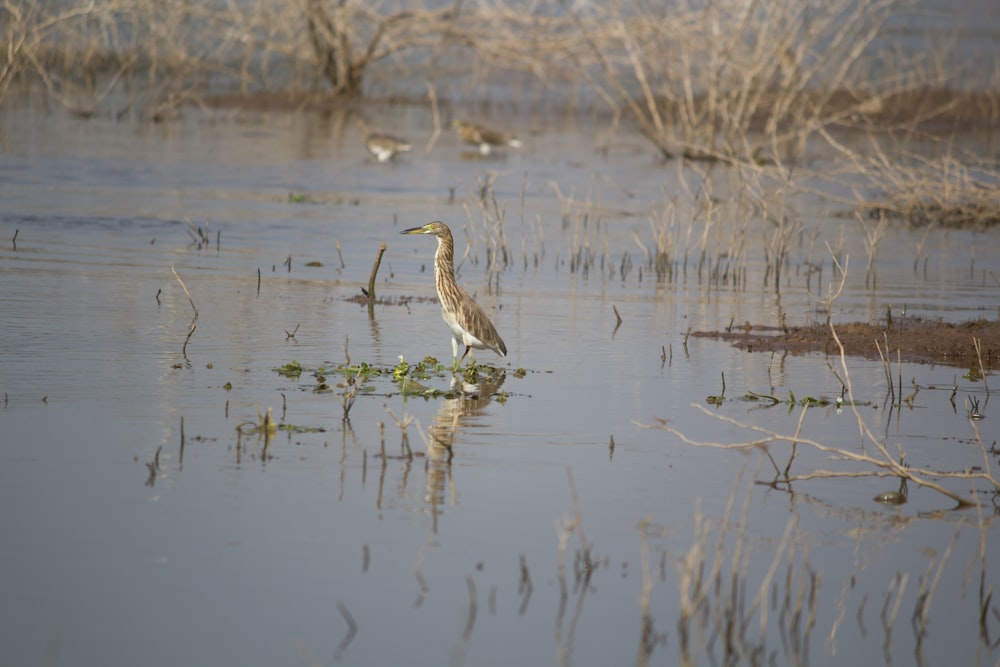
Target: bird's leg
x,y
464,355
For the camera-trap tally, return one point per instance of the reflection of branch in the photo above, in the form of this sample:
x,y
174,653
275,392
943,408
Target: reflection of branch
x,y
352,629
402,423
928,585
304,654
461,645
424,588
153,467
524,586
435,115
887,466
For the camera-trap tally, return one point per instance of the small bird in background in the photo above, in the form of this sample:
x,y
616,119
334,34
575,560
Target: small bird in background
x,y
469,323
485,138
383,146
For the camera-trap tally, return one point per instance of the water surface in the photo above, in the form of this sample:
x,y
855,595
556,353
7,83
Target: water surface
x,y
139,526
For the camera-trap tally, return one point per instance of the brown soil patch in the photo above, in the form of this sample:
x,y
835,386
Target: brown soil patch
x,y
916,339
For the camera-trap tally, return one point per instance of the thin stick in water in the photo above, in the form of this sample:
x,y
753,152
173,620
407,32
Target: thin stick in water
x,y
977,343
371,278
184,287
187,338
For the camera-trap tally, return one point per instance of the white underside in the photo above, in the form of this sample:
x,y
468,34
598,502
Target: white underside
x,y
460,338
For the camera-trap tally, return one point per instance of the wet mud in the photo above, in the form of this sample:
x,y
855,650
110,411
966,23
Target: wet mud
x,y
916,340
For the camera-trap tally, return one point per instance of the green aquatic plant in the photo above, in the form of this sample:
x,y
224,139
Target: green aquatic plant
x,y
974,374
265,426
411,379
805,401
471,373
717,400
292,369
876,460
401,370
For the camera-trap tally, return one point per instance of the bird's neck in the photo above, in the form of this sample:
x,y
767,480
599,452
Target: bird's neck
x,y
444,265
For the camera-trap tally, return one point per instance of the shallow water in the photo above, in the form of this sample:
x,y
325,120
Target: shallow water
x,y
233,549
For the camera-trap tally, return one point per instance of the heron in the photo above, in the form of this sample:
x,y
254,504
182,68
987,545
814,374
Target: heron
x,y
469,323
383,146
485,138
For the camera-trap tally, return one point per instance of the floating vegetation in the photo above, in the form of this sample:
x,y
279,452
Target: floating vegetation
x,y
264,427
298,198
717,400
292,369
410,379
974,375
365,300
805,401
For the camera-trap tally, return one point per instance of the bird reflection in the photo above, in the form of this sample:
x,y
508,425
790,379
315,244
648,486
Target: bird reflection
x,y
471,400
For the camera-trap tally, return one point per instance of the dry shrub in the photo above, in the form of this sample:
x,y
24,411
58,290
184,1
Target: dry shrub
x,y
164,53
348,37
718,80
944,185
151,57
730,79
941,192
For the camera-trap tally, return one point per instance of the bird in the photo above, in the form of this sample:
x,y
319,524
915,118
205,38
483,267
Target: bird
x,y
469,323
485,138
383,146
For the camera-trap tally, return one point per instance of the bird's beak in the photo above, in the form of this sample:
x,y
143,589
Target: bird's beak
x,y
413,230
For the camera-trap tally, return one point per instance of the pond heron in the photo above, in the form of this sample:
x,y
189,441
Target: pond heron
x,y
469,323
485,138
383,146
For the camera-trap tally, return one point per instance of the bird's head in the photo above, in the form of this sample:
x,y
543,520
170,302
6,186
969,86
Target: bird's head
x,y
437,228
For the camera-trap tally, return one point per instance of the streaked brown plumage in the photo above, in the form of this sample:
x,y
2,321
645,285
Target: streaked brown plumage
x,y
383,146
469,324
485,138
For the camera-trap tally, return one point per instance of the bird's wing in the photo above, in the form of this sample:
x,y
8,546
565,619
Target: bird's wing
x,y
474,319
491,136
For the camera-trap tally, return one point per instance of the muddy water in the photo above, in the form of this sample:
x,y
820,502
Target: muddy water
x,y
139,525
